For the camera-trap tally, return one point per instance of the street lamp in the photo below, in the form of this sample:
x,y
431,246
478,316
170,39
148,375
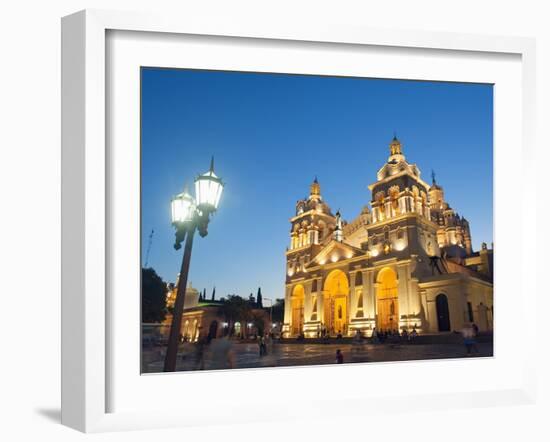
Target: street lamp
x,y
208,188
188,215
183,208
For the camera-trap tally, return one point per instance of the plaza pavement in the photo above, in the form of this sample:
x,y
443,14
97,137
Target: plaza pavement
x,y
280,354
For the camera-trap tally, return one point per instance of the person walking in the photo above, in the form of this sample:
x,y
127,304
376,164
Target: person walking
x,y
261,345
374,336
200,351
414,334
475,332
339,357
467,333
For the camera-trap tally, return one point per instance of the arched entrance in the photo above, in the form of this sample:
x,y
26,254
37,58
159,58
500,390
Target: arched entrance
x,y
387,302
442,309
336,292
297,306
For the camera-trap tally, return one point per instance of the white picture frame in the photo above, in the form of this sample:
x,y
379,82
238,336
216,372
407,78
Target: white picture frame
x,y
87,356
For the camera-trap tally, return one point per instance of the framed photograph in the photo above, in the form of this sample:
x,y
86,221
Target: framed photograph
x,y
321,211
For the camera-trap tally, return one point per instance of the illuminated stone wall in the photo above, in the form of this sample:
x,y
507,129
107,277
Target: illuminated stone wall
x,y
410,229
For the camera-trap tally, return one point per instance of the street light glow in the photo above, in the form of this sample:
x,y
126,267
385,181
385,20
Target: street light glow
x,y
183,208
208,188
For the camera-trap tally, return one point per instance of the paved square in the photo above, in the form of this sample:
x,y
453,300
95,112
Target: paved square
x,y
281,354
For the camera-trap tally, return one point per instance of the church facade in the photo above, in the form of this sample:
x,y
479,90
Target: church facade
x,y
405,262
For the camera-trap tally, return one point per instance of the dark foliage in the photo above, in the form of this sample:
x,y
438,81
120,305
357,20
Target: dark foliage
x,y
153,296
259,301
278,310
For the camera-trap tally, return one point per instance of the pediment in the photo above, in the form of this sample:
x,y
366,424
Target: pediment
x,y
335,251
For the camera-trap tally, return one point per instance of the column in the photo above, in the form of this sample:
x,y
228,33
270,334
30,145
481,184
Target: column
x,y
365,293
387,209
369,295
352,303
320,312
307,301
404,295
319,294
288,310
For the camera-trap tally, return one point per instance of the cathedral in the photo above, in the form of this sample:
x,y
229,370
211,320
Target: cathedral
x,y
405,262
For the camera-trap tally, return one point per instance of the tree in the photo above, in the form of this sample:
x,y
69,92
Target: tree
x,y
235,309
259,300
153,296
278,310
214,294
258,321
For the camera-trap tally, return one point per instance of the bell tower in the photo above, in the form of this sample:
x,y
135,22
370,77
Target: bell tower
x,y
315,190
437,196
396,153
452,229
311,225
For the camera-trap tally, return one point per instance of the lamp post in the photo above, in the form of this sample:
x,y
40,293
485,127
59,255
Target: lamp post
x,y
189,215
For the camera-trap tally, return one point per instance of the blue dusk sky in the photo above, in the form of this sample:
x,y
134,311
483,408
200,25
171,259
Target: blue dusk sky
x,y
271,134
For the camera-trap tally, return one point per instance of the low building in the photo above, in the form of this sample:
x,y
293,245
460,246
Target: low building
x,y
206,318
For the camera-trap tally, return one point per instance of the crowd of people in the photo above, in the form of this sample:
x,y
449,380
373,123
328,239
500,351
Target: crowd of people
x,y
220,355
469,335
393,336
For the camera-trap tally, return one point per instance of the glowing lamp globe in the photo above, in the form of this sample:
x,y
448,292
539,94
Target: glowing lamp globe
x,y
208,190
183,208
